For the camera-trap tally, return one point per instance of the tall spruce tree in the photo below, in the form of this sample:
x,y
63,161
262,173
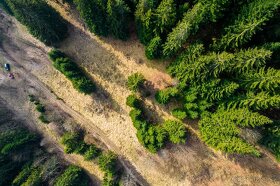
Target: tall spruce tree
x,y
251,18
117,18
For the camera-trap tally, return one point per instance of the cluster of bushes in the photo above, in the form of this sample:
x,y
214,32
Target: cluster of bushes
x,y
153,137
42,21
107,161
40,108
72,71
72,176
108,17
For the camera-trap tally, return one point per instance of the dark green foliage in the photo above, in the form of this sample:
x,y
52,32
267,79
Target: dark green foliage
x,y
220,131
107,162
176,131
165,16
153,49
104,17
72,71
43,119
72,176
8,170
144,20
152,137
72,142
14,140
263,79
133,101
23,175
179,113
250,19
34,178
4,6
40,108
165,95
32,98
271,138
135,115
135,81
203,12
117,18
259,101
91,153
42,21
94,14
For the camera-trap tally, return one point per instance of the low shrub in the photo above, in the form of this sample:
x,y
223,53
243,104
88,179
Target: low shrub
x,y
179,113
165,95
92,153
32,98
40,108
108,162
133,101
135,81
176,131
43,119
72,71
72,176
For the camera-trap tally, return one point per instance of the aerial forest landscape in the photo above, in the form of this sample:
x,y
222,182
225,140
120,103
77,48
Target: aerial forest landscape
x,y
140,92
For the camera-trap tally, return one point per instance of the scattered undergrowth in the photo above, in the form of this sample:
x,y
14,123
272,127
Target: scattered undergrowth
x,y
152,136
40,108
107,160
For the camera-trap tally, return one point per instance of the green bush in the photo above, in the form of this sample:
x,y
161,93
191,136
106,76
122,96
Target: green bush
x,y
179,113
135,115
176,131
107,162
42,21
43,119
91,153
72,71
135,81
165,95
40,108
72,176
133,101
32,98
72,141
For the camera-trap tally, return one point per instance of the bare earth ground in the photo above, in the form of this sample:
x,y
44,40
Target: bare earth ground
x,y
105,115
